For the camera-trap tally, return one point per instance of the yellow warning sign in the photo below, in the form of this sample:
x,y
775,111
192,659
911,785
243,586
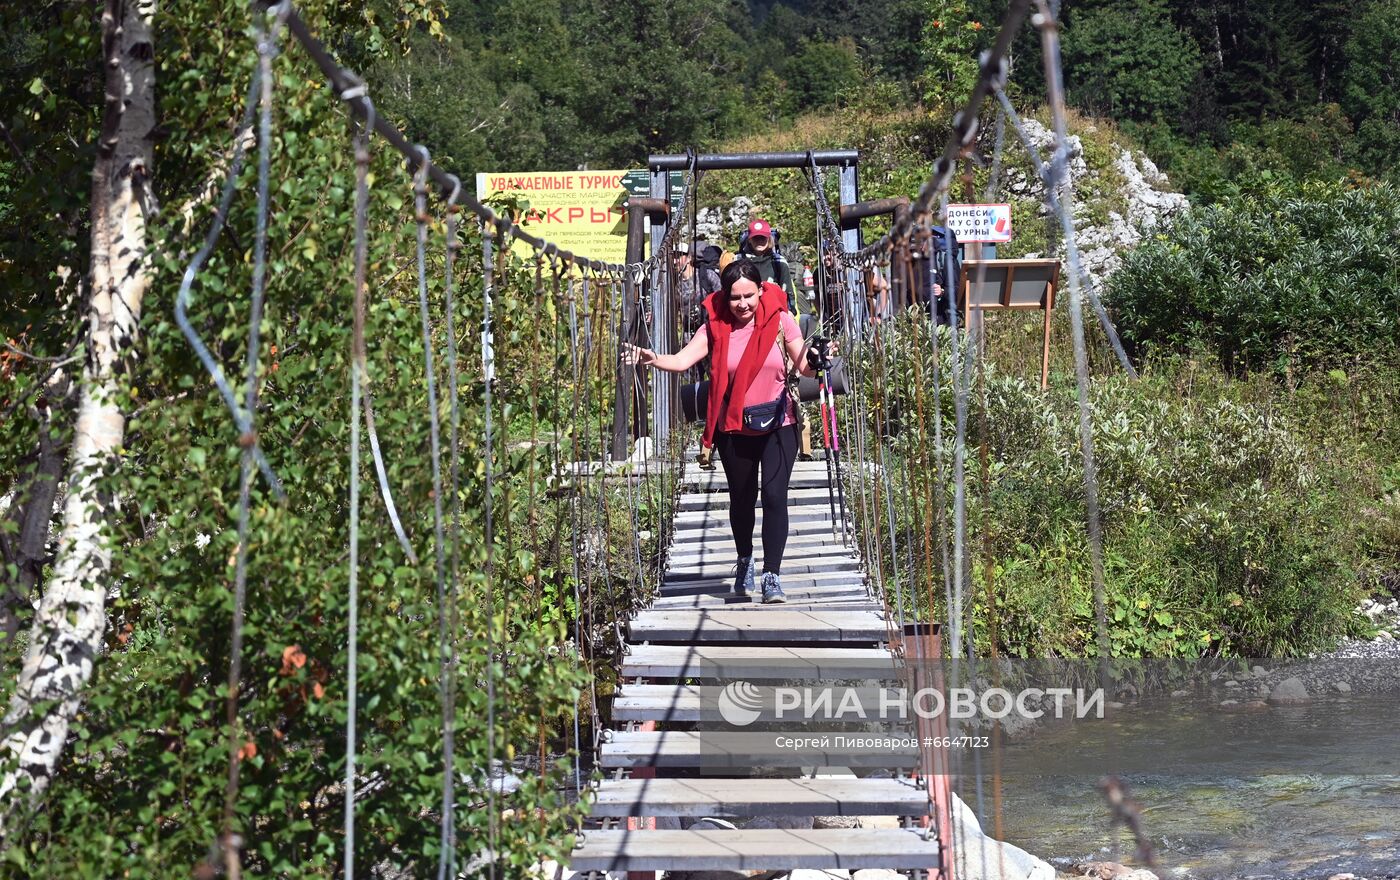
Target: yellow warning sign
x,y
580,211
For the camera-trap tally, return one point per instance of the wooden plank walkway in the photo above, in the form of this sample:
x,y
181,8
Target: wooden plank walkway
x,y
672,757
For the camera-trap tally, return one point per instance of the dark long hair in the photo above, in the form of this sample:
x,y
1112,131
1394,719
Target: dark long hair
x,y
740,268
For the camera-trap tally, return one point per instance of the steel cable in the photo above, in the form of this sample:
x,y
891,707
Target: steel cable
x,y
360,146
421,220
182,297
489,239
1050,43
1051,175
269,32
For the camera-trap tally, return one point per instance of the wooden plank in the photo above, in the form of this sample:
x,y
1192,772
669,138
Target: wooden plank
x,y
723,539
754,850
721,485
720,528
759,797
693,543
848,600
685,586
811,595
816,519
753,662
745,749
792,565
777,626
700,703
725,599
720,500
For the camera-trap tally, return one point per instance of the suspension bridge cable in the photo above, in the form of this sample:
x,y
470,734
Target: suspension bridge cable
x,y
1050,48
488,239
182,298
269,31
451,245
421,219
360,147
993,69
1049,174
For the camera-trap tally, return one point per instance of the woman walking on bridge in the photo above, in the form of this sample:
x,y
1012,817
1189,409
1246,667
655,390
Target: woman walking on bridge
x,y
751,339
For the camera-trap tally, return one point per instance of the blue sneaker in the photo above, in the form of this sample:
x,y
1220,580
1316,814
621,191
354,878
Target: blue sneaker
x,y
743,577
772,589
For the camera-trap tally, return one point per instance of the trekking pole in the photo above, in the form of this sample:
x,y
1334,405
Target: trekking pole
x,y
836,460
826,445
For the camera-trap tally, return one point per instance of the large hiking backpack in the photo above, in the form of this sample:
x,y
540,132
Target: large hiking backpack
x,y
707,256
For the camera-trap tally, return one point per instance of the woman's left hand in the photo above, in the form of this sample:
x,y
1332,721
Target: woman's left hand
x,y
633,356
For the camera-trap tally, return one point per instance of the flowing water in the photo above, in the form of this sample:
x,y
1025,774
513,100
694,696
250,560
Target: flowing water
x,y
1280,792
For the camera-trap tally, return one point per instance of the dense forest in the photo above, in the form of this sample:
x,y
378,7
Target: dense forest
x,y
1218,91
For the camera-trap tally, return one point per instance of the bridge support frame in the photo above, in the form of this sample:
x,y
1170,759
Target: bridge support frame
x,y
664,305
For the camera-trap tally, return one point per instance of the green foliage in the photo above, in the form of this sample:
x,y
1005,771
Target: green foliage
x,y
1370,87
1225,531
820,72
151,745
1278,282
948,54
1128,60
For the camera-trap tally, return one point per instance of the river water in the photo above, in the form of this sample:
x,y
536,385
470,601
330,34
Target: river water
x,y
1277,792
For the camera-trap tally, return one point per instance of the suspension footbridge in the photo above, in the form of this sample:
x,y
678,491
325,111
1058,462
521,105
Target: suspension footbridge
x,y
655,755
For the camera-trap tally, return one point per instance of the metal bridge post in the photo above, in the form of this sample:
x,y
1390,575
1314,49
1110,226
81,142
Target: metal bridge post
x,y
850,241
630,328
662,317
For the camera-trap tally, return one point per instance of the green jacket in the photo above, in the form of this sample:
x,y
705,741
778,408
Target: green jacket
x,y
775,269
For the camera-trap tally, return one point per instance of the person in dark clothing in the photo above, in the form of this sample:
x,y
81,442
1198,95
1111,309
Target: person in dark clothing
x,y
694,282
750,339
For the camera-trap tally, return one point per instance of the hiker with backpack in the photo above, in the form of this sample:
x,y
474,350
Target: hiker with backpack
x,y
939,245
697,276
755,347
759,244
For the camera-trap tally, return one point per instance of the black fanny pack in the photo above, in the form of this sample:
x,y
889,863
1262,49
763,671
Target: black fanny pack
x,y
761,418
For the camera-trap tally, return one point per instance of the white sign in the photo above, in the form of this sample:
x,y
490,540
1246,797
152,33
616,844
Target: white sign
x,y
987,223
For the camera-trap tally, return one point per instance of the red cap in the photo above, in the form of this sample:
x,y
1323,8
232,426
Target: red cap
x,y
760,229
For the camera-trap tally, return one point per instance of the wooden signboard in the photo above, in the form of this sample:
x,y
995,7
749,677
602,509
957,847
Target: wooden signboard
x,y
1013,285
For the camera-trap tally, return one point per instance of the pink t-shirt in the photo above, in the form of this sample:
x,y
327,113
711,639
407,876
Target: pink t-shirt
x,y
768,381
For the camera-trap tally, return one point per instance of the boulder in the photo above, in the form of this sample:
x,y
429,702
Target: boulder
x,y
836,822
1290,690
980,857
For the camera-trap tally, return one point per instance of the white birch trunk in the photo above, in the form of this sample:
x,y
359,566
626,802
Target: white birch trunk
x,y
68,626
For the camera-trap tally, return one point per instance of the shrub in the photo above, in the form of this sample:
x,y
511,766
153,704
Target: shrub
x,y
1279,282
1225,533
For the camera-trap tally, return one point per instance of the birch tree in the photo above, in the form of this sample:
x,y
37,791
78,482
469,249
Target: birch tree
x,y
67,631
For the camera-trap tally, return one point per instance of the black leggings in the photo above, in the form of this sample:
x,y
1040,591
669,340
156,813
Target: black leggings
x,y
743,456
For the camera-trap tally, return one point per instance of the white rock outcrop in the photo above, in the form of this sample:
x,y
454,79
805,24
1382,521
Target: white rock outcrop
x,y
1140,184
